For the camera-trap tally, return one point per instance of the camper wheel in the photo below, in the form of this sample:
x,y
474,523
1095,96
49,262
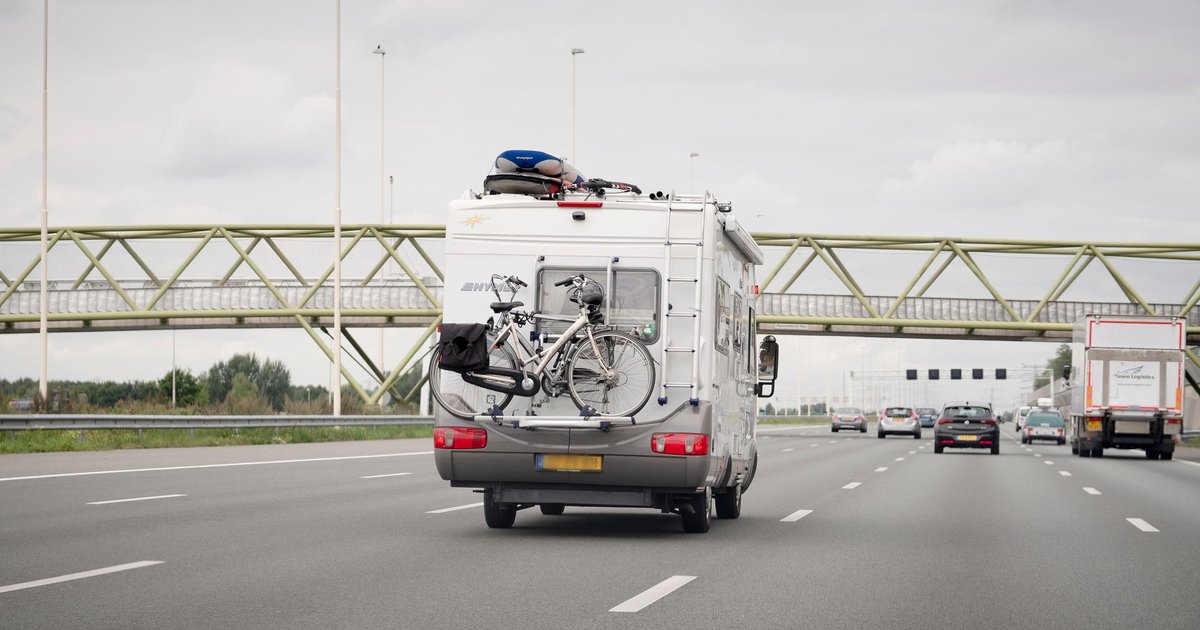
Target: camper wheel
x,y
497,515
697,512
729,503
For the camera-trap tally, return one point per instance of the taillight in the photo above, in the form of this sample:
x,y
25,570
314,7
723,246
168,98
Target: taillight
x,y
456,438
985,442
862,418
679,443
991,422
943,421
835,417
1174,420
947,441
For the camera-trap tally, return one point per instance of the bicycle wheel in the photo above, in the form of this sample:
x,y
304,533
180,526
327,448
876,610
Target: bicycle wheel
x,y
463,399
614,375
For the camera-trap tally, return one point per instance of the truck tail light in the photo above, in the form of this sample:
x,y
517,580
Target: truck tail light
x,y
457,438
679,443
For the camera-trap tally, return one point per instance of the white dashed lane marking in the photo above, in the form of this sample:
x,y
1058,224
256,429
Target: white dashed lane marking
x,y
852,485
455,508
881,469
79,576
161,496
652,594
387,475
788,450
795,516
1064,473
1142,525
1091,491
899,459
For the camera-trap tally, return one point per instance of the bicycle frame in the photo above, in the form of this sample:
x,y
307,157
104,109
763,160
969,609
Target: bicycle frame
x,y
525,355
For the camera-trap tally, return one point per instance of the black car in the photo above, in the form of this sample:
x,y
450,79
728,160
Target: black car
x,y
967,425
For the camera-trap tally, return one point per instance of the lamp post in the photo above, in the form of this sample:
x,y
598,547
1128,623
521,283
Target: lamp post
x,y
382,55
43,290
337,230
574,53
692,170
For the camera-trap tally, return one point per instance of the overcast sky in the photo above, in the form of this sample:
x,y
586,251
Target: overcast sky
x,y
1073,120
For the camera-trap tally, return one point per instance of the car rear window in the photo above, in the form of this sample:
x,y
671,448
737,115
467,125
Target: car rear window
x,y
926,411
847,411
898,412
967,413
1044,419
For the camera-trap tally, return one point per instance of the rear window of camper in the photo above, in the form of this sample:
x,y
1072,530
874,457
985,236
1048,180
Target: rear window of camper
x,y
634,300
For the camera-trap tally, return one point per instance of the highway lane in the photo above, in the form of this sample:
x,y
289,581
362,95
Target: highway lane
x,y
962,538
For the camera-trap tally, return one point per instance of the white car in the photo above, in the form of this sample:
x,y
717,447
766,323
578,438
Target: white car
x,y
1043,424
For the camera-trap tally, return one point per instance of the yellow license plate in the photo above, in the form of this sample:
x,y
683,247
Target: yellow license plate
x,y
968,438
1093,425
569,463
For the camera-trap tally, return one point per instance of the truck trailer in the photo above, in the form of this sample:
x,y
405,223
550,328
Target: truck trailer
x,y
1127,384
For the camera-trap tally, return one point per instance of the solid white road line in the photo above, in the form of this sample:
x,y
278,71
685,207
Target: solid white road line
x,y
652,594
1142,525
1064,473
199,466
79,576
455,508
161,496
788,450
387,475
1091,491
1184,461
881,469
795,516
852,485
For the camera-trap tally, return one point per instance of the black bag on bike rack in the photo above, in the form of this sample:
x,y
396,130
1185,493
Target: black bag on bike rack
x,y
463,347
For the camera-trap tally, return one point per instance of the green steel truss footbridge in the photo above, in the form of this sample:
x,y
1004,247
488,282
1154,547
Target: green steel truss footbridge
x,y
275,276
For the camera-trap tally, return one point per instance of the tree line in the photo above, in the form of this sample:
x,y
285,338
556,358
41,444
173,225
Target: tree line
x,y
243,384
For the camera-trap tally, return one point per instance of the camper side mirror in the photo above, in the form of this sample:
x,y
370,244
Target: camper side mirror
x,y
768,365
1066,372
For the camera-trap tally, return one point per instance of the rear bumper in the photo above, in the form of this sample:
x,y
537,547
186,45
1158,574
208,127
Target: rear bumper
x,y
950,440
857,426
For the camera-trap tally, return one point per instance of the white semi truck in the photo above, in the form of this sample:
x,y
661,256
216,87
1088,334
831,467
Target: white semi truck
x,y
1127,384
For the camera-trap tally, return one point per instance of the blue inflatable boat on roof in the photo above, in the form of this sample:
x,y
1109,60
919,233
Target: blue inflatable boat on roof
x,y
537,173
542,163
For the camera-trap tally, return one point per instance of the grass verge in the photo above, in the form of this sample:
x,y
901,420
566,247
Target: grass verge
x,y
46,441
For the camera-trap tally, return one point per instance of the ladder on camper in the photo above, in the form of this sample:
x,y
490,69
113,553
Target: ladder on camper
x,y
672,346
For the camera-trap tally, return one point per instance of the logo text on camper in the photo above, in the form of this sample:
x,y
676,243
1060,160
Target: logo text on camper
x,y
476,286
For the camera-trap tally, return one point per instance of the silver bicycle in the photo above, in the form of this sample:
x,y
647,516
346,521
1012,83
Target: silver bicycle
x,y
605,371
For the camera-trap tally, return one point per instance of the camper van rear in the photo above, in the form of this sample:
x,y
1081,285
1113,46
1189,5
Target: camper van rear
x,y
677,274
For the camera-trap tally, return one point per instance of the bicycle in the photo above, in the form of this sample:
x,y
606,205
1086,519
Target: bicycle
x,y
605,371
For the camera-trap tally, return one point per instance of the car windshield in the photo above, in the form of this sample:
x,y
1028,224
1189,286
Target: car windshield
x,y
1044,419
898,412
967,413
848,411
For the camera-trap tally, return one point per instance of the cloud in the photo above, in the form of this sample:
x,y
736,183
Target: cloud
x,y
242,118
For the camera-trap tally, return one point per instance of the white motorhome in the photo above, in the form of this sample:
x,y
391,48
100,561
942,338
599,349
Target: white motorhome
x,y
1127,384
679,273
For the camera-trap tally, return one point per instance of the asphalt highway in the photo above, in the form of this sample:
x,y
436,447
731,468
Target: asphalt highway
x,y
838,531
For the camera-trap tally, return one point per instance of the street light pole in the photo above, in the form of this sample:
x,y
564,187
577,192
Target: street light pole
x,y
692,168
337,231
43,290
382,55
574,52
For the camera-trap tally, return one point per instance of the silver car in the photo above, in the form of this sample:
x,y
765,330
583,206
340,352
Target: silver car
x,y
899,420
849,418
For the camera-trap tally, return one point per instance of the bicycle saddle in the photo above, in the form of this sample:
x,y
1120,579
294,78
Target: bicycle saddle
x,y
500,307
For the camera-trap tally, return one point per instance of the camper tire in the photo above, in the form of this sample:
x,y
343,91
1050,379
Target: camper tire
x,y
729,503
552,509
699,520
497,515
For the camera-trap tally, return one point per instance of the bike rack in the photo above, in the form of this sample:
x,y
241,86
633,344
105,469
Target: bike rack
x,y
559,422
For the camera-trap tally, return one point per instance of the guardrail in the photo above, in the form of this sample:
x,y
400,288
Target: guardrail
x,y
88,422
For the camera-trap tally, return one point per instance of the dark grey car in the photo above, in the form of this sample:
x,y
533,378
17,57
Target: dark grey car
x,y
967,425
